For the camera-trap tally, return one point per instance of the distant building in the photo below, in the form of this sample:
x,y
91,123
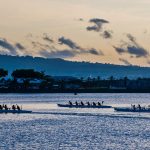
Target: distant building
x,y
64,78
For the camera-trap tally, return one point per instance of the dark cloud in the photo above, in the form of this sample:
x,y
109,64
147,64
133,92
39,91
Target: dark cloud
x,y
98,21
68,42
57,54
133,51
132,48
47,38
73,50
131,38
20,46
92,28
138,51
67,53
95,52
98,24
107,34
76,48
37,44
119,50
7,47
124,61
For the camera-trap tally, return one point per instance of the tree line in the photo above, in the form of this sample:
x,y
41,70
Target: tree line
x,y
47,82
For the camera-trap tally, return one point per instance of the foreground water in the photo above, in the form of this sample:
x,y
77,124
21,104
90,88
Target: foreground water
x,y
52,128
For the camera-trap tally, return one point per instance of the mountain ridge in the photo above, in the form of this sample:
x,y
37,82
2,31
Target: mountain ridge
x,y
61,67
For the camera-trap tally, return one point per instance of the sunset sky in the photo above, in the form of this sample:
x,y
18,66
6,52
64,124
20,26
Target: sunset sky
x,y
106,31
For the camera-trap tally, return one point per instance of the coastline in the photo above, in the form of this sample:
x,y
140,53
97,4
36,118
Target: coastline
x,y
75,91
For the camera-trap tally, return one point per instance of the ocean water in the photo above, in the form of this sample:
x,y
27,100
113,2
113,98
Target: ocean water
x,y
52,128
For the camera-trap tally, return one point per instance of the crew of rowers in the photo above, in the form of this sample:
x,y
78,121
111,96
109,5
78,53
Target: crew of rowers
x,y
87,103
134,107
13,107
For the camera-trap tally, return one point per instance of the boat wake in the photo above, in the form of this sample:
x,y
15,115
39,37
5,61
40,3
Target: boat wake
x,y
139,115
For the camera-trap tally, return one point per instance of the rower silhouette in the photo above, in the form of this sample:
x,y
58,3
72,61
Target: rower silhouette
x,y
70,103
76,103
1,107
99,104
13,107
88,103
18,107
94,104
82,103
139,106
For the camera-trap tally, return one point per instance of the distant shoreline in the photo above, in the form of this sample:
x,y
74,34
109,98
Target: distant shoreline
x,y
77,91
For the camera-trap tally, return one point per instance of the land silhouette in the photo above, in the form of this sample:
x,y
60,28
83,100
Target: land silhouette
x,y
60,67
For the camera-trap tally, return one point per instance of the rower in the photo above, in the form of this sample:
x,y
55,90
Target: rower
x,y
82,103
6,108
99,104
13,107
88,103
139,106
76,103
1,108
18,107
102,102
134,107
70,103
94,104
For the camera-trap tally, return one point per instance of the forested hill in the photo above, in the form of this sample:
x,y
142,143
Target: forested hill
x,y
60,67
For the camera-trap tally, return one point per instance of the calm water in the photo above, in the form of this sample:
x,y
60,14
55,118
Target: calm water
x,y
52,128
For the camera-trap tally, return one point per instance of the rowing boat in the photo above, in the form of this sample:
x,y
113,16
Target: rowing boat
x,y
15,111
128,109
83,106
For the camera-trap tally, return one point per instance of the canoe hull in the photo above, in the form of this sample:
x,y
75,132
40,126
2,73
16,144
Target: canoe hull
x,y
123,109
83,106
15,111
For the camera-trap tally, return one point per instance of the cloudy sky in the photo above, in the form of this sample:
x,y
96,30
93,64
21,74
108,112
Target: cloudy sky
x,y
110,31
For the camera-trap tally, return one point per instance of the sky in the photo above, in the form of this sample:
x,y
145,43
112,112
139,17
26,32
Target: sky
x,y
110,31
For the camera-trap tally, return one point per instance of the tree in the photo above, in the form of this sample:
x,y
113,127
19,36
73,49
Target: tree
x,y
27,73
111,79
125,81
3,73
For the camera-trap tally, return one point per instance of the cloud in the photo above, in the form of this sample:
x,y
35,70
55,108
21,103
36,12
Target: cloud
x,y
124,61
40,45
119,50
94,51
75,47
107,34
19,46
57,54
138,51
74,50
7,47
67,53
47,38
132,48
81,19
98,24
132,39
93,28
68,42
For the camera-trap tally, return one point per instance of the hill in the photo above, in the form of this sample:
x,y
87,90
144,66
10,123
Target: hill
x,y
60,67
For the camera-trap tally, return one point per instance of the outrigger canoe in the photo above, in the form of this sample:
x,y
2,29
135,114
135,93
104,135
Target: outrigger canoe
x,y
15,111
128,109
83,106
